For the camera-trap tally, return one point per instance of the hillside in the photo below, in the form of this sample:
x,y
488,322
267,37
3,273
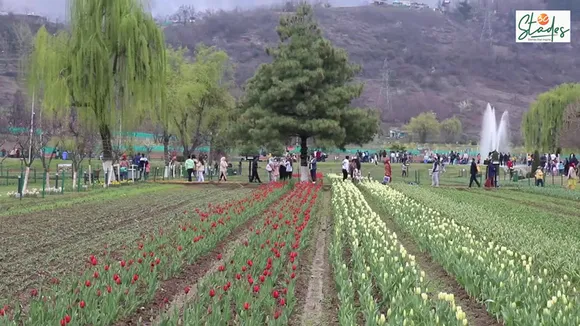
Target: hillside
x,y
435,63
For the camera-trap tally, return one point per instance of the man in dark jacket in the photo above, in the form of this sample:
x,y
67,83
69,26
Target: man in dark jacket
x,y
473,174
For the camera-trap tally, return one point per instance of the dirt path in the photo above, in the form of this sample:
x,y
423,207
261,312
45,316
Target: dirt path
x,y
171,295
476,313
317,300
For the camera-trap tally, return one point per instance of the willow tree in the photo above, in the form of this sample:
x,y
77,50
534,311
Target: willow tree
x,y
542,123
306,91
203,101
109,65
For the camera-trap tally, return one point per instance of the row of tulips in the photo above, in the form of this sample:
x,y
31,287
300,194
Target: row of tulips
x,y
256,286
113,287
385,280
509,283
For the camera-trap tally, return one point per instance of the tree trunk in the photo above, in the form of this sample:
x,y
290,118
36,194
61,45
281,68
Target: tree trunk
x,y
304,173
75,176
105,132
47,182
166,157
25,182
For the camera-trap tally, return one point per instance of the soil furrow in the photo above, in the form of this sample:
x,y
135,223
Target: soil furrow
x,y
314,301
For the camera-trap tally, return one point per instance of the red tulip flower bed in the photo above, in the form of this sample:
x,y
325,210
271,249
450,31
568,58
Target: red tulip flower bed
x,y
110,288
257,286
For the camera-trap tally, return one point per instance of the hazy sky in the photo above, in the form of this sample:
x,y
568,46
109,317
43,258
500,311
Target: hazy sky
x,y
57,8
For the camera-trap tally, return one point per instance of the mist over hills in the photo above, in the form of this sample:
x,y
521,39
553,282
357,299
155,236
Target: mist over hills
x,y
56,9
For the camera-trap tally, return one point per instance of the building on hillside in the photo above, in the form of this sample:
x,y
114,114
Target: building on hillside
x,y
397,134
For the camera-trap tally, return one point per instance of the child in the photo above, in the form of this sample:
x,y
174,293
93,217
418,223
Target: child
x,y
539,177
357,176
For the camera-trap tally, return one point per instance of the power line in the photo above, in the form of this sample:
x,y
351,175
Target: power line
x,y
486,31
385,90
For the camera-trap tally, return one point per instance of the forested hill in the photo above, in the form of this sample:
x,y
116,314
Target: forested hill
x,y
436,62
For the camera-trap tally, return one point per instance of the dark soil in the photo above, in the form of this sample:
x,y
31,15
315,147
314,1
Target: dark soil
x,y
315,291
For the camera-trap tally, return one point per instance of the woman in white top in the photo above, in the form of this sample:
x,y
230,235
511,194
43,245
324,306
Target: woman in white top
x,y
223,169
345,168
288,167
200,168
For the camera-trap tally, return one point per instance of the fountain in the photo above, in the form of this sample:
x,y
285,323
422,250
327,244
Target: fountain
x,y
494,136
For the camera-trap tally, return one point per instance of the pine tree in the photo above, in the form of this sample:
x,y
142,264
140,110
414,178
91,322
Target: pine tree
x,y
305,92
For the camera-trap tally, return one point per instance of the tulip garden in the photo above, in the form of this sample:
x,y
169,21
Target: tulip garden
x,y
243,259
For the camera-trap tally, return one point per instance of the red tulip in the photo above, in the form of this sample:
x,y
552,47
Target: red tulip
x,y
256,288
275,294
293,275
82,304
238,276
187,289
293,267
277,314
246,306
62,322
96,274
135,277
250,280
33,292
219,256
250,263
67,319
87,283
262,278
118,281
106,267
282,302
123,263
212,293
1,312
109,289
98,293
179,248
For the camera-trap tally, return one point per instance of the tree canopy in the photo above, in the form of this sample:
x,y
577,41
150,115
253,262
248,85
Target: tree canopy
x,y
451,129
306,91
542,123
424,126
198,95
110,64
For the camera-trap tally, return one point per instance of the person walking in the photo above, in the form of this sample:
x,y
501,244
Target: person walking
x,y
345,167
289,167
189,165
572,177
223,169
473,174
200,167
435,172
255,176
388,171
313,162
